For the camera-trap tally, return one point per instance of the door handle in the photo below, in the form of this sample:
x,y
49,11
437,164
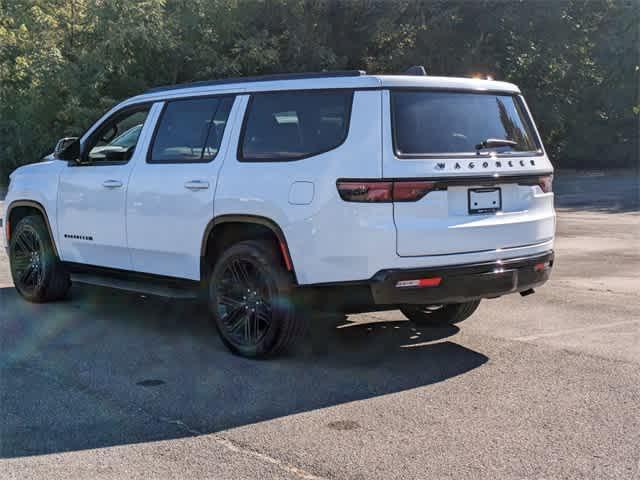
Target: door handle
x,y
112,184
196,185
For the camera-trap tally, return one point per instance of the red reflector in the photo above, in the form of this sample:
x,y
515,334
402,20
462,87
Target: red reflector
x,y
539,267
546,183
430,282
420,282
411,191
365,191
285,255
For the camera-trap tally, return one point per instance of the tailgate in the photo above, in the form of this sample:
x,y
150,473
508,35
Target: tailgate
x,y
441,223
480,150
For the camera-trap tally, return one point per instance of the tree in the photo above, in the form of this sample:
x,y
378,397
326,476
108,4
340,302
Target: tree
x,y
64,62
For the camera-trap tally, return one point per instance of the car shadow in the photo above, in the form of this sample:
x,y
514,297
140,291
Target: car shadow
x,y
109,368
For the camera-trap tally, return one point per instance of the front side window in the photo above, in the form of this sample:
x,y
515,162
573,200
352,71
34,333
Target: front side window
x,y
190,130
436,123
293,125
129,137
116,140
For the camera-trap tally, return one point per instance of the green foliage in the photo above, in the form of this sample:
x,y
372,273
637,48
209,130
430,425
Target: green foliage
x,y
64,62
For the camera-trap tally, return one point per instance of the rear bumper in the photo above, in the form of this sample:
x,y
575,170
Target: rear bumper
x,y
462,283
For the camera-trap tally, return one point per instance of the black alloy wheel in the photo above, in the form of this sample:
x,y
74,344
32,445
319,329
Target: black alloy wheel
x,y
251,300
244,301
434,315
38,274
27,259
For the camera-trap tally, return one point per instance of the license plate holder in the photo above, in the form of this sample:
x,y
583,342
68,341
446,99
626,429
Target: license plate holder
x,y
484,200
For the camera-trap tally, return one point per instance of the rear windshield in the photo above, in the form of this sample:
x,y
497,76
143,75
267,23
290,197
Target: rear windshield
x,y
432,123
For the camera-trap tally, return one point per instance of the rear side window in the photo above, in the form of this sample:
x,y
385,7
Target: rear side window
x,y
293,125
190,130
436,123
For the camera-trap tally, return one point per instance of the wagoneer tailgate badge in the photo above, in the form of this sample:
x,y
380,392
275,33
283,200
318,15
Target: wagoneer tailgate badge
x,y
471,165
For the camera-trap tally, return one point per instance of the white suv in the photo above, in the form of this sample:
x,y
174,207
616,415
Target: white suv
x,y
340,191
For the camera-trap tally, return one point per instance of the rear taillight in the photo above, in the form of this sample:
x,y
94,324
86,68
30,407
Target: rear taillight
x,y
384,191
546,183
411,191
369,191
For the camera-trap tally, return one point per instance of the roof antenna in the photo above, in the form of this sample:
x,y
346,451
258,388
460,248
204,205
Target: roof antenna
x,y
416,70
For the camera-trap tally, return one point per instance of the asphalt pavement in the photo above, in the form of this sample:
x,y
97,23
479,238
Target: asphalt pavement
x,y
116,385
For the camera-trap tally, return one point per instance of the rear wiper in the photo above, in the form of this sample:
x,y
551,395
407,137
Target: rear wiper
x,y
496,142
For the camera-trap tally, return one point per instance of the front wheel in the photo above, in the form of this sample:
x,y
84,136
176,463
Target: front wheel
x,y
434,315
37,272
251,300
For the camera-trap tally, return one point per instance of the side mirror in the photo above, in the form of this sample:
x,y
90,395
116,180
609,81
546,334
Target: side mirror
x,y
67,148
116,155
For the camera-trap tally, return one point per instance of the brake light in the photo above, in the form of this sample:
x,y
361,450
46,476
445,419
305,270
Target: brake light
x,y
369,191
411,191
384,191
546,183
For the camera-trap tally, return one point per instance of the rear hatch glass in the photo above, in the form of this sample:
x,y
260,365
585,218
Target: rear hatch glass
x,y
430,123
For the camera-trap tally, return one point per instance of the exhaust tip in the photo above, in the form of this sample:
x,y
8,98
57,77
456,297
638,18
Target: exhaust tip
x,y
527,292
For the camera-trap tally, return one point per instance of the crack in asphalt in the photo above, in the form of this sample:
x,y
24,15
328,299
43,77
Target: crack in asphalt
x,y
569,331
567,283
221,440
243,450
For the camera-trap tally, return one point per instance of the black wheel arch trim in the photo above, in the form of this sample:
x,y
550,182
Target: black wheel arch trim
x,y
38,206
252,219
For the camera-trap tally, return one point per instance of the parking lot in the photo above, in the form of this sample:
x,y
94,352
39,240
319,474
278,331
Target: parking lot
x,y
117,385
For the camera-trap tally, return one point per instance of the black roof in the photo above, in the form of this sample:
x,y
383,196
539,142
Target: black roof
x,y
261,78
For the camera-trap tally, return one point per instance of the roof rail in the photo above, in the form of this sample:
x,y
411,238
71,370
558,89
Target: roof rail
x,y
261,78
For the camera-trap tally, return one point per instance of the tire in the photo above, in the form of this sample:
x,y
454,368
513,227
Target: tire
x,y
37,273
434,315
251,300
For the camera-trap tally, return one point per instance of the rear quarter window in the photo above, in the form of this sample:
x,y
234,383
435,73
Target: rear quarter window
x,y
430,123
287,126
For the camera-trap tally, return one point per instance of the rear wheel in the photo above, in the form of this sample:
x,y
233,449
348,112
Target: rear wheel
x,y
251,300
433,315
37,272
